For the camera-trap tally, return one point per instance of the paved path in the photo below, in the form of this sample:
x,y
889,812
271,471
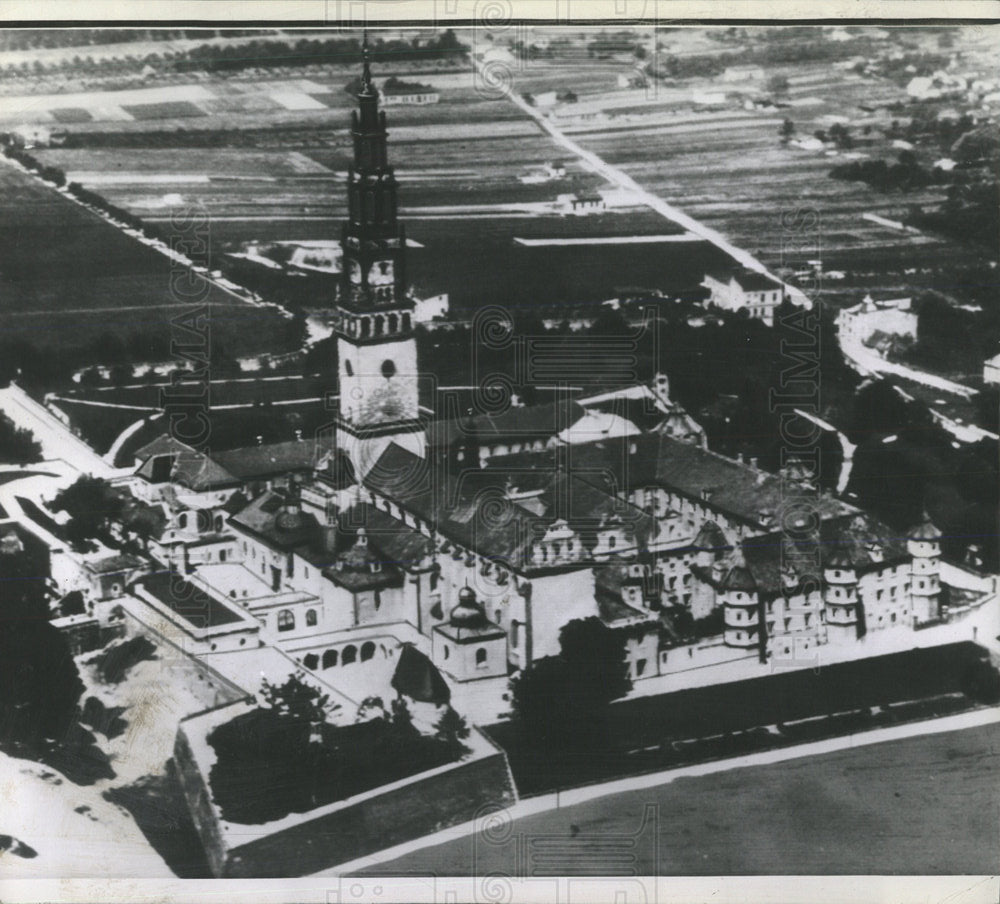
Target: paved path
x,y
868,361
57,441
506,821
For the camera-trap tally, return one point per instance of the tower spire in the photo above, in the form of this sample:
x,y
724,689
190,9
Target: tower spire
x,y
366,64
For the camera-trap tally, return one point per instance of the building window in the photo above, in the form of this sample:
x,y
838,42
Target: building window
x,y
286,621
310,661
367,650
378,600
640,667
481,656
612,541
446,652
348,369
329,658
349,655
311,617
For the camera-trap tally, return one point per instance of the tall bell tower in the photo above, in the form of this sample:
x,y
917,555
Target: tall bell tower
x,y
375,342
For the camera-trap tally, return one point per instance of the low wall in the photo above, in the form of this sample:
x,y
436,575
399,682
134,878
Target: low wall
x,y
377,820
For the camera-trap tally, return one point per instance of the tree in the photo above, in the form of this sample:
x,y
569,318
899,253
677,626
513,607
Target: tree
x,y
298,701
17,445
91,504
561,698
596,656
40,681
452,730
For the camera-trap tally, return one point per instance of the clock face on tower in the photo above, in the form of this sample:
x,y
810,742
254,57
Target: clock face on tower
x,y
381,274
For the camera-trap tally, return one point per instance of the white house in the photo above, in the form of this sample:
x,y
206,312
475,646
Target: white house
x,y
747,290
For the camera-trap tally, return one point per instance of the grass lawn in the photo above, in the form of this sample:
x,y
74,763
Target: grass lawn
x,y
924,805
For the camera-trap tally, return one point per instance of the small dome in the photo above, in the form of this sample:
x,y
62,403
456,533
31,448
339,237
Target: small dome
x,y
288,519
468,613
926,530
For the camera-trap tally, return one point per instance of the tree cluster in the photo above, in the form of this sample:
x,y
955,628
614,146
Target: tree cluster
x,y
562,699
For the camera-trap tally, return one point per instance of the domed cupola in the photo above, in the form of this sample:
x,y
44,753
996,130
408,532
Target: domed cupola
x,y
468,613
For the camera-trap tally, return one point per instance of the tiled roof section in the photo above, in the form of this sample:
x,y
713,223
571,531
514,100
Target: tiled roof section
x,y
516,423
585,506
749,280
115,564
397,544
301,535
271,459
464,512
164,443
197,471
861,542
740,491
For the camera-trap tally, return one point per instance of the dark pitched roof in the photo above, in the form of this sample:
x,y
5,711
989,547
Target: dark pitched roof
x,y
301,534
115,564
162,444
270,459
397,544
518,422
197,471
738,490
418,678
861,542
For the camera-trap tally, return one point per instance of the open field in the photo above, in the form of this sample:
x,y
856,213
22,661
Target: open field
x,y
267,162
923,805
67,277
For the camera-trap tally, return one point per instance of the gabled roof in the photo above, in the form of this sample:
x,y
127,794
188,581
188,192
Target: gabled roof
x,y
734,489
197,471
164,443
271,459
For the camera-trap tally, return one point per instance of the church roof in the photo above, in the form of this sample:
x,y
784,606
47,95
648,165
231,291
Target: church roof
x,y
861,542
262,517
519,422
418,678
272,459
742,492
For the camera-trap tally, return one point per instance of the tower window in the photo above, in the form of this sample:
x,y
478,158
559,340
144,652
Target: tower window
x,y
348,369
388,369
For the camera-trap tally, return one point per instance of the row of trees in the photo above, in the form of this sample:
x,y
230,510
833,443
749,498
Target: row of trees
x,y
17,445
